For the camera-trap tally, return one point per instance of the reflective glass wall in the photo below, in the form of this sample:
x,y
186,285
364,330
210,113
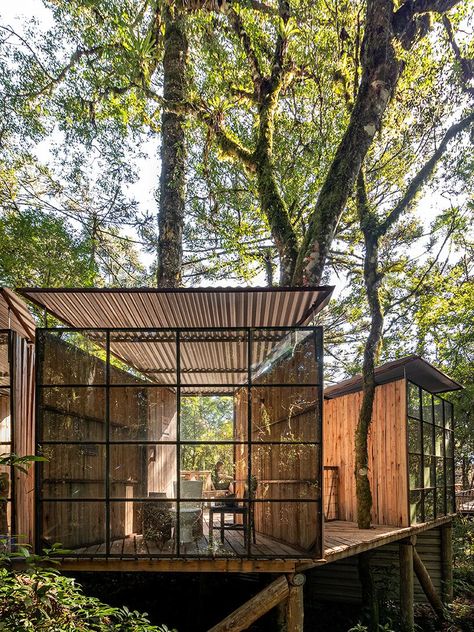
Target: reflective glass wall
x,y
6,439
430,455
232,415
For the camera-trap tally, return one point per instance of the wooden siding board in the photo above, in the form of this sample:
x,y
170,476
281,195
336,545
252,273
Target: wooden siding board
x,y
387,452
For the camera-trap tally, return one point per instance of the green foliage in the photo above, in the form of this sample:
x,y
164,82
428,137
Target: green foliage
x,y
32,247
44,600
206,418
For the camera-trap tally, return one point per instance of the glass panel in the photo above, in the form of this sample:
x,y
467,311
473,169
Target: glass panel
x,y
449,444
142,414
450,500
72,414
429,505
439,441
285,528
440,472
289,413
153,354
208,417
440,501
142,528
290,471
414,464
138,471
76,525
427,406
429,475
72,357
413,400
284,357
225,525
7,541
438,410
5,427
416,514
5,473
449,472
4,360
414,436
448,414
73,471
214,471
428,447
214,357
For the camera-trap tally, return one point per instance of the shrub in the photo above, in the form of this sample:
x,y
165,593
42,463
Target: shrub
x,y
44,600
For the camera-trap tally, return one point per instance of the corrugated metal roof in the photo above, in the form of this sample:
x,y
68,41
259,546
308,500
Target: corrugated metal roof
x,y
14,315
207,357
181,308
413,367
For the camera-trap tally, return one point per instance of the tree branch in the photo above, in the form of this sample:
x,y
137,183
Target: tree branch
x,y
423,174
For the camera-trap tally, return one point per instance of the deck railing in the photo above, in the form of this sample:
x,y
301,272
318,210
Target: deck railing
x,y
331,492
465,501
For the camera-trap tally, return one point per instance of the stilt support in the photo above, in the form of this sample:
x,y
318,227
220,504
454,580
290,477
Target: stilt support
x,y
256,607
447,561
369,590
407,617
427,585
295,604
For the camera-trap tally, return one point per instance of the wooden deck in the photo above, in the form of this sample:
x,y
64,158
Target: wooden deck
x,y
342,539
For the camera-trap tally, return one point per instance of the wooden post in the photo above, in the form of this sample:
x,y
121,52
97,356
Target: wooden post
x,y
295,603
369,590
407,616
290,615
255,608
427,585
447,562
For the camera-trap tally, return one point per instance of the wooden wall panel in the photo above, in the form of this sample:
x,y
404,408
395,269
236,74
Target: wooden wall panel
x,y
387,452
23,406
136,413
288,471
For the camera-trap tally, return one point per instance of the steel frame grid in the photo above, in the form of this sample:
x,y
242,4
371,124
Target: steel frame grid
x,y
249,385
421,424
11,443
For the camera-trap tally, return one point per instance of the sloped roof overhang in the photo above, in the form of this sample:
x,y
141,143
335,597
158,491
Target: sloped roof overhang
x,y
412,367
218,357
145,308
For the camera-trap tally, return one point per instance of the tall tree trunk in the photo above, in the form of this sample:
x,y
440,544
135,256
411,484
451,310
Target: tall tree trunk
x,y
173,151
372,280
271,201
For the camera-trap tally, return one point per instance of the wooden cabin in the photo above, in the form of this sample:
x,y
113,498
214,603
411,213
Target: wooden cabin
x,y
17,335
411,443
189,430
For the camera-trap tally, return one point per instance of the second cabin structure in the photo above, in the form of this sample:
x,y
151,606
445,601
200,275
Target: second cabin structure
x,y
189,430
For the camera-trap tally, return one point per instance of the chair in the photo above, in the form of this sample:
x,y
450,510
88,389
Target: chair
x,y
227,508
190,513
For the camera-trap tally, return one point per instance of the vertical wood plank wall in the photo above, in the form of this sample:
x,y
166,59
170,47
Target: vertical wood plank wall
x,y
387,452
23,406
289,471
79,470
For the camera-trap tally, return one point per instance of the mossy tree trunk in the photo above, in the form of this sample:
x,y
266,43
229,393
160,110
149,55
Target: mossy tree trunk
x,y
173,150
372,280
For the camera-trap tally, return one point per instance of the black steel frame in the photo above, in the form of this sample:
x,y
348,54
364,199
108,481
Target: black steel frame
x,y
11,442
317,332
422,422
